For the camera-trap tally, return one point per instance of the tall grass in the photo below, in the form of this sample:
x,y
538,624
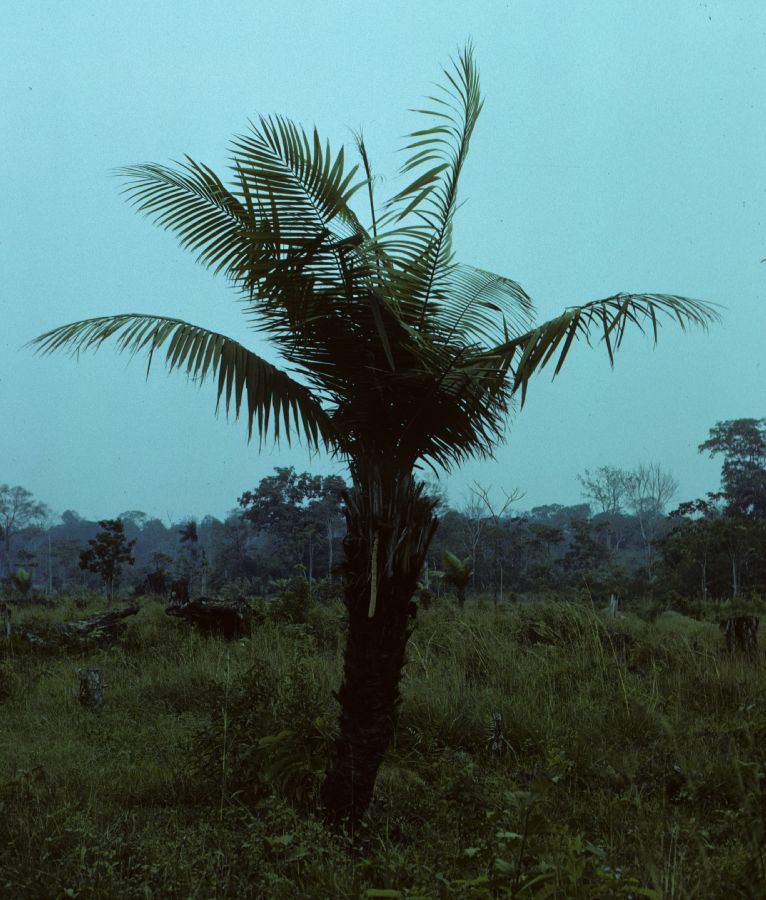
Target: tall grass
x,y
542,751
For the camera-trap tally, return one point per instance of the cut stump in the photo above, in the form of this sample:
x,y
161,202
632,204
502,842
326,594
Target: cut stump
x,y
90,693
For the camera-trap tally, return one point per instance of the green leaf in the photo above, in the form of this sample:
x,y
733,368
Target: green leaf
x,y
244,380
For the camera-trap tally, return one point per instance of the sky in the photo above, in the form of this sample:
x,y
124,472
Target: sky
x,y
622,147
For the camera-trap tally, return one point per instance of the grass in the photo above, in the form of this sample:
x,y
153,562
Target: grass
x,y
628,760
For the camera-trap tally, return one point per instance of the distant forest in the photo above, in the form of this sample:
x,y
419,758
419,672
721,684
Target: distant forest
x,y
629,537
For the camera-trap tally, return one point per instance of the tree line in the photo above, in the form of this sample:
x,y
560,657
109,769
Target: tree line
x,y
626,537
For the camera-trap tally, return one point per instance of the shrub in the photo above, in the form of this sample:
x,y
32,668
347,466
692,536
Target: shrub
x,y
269,733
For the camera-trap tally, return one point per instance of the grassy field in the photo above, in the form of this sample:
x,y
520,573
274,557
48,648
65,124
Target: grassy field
x,y
543,750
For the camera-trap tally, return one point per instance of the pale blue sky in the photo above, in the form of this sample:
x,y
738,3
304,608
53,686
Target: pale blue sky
x,y
622,147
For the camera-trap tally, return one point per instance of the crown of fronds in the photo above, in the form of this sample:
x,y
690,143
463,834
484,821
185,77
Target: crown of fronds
x,y
392,349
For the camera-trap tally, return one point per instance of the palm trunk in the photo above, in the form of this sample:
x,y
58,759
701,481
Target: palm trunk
x,y
390,525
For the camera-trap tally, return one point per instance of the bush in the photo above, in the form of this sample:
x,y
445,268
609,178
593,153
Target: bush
x,y
269,733
293,603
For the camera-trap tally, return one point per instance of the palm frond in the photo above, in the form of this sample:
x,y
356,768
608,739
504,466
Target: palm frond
x,y
396,353
245,381
422,251
307,286
480,306
278,163
604,319
193,202
299,196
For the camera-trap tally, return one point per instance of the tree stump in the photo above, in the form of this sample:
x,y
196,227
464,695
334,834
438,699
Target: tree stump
x,y
229,618
179,591
740,633
90,693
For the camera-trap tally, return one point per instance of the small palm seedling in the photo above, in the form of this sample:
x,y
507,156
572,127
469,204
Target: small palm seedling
x,y
457,572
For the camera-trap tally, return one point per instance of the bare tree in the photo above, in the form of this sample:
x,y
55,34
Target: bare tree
x,y
606,488
18,510
474,521
649,489
495,514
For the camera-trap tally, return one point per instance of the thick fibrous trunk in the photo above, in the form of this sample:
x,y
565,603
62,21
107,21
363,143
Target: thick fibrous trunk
x,y
389,528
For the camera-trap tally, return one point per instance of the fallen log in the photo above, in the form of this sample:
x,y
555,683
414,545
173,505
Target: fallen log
x,y
97,631
228,618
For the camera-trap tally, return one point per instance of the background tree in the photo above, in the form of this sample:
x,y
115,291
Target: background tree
x,y
474,522
540,542
157,579
496,512
606,489
65,563
689,548
742,443
239,557
295,512
710,552
107,553
587,558
649,489
398,358
327,512
192,561
18,510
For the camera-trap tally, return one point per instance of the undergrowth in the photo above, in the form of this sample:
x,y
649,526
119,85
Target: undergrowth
x,y
542,750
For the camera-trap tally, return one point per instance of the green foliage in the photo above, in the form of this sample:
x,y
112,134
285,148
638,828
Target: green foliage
x,y
446,345
21,581
293,604
108,552
742,443
457,571
199,775
269,733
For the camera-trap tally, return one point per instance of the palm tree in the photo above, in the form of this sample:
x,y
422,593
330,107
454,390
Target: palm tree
x,y
396,356
458,573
